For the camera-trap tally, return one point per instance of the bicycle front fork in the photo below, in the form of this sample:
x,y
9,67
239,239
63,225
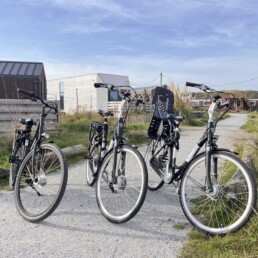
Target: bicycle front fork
x,y
118,168
208,158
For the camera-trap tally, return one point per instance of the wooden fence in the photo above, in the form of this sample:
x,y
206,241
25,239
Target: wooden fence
x,y
13,109
139,118
115,105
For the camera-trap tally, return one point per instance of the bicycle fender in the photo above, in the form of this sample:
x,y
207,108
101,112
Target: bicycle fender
x,y
186,165
227,150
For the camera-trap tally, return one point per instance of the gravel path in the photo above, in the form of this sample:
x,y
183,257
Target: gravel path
x,y
78,229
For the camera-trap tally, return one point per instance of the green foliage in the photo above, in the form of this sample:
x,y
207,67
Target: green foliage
x,y
186,110
179,226
251,94
5,145
4,184
252,125
240,244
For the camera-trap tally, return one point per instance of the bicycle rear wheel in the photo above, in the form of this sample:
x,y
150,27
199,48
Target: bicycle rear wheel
x,y
38,192
120,201
154,180
231,203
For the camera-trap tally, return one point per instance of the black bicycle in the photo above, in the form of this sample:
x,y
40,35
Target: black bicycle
x,y
217,190
118,169
38,168
20,147
97,147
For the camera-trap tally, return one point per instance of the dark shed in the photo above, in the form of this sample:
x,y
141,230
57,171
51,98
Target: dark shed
x,y
26,75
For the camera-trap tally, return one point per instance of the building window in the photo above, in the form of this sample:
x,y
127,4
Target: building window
x,y
252,103
61,94
206,103
114,96
195,103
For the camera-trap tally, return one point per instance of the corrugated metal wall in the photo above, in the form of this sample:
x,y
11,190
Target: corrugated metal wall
x,y
13,75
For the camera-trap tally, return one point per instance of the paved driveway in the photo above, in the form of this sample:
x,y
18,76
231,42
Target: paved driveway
x,y
78,229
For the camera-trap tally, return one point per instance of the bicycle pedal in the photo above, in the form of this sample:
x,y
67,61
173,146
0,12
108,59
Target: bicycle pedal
x,y
13,159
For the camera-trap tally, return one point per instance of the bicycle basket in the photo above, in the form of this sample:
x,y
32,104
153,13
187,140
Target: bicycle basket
x,y
163,99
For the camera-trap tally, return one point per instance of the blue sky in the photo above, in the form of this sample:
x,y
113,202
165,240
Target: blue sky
x,y
207,41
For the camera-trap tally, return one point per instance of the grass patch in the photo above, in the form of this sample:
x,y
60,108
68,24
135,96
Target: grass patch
x,y
252,124
74,129
179,226
252,127
74,159
5,145
241,244
4,184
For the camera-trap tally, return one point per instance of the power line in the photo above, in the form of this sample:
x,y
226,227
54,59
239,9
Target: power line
x,y
216,84
238,82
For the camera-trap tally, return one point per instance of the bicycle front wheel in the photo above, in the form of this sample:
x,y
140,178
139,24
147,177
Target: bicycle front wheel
x,y
120,200
231,203
39,191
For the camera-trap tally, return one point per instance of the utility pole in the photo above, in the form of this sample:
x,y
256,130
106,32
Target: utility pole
x,y
161,79
77,106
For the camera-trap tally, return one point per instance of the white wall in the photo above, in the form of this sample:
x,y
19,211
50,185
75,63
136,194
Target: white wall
x,y
79,92
88,97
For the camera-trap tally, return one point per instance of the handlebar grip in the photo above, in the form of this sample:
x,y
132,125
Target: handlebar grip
x,y
192,84
28,93
98,84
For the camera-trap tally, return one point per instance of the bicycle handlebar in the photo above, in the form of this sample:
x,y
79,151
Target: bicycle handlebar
x,y
28,93
99,85
34,97
105,85
200,86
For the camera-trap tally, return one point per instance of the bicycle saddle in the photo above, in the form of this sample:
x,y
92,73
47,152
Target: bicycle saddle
x,y
105,113
27,121
175,117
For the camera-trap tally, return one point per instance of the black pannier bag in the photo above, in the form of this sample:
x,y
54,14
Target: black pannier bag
x,y
163,100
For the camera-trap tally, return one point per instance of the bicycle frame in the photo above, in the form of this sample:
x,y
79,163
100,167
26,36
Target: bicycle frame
x,y
116,140
39,134
118,137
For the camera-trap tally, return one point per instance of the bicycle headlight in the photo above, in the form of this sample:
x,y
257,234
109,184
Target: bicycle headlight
x,y
45,135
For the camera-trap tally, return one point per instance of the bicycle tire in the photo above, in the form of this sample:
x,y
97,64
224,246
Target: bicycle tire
x,y
233,199
36,197
154,180
20,153
120,202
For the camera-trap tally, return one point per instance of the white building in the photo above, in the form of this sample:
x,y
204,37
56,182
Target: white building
x,y
78,94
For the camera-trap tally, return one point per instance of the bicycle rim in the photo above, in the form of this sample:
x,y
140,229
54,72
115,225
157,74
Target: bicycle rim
x,y
231,203
38,194
121,201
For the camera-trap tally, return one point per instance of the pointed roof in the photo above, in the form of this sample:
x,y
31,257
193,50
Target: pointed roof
x,y
117,80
